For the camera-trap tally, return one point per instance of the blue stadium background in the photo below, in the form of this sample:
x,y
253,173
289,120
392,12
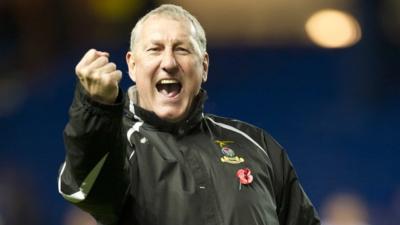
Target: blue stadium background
x,y
335,111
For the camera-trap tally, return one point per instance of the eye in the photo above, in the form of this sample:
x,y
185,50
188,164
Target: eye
x,y
182,50
153,49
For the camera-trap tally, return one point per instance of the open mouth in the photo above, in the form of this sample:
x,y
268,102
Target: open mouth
x,y
169,87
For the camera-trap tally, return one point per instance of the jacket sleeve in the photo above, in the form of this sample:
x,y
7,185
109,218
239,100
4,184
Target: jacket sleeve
x,y
292,204
94,175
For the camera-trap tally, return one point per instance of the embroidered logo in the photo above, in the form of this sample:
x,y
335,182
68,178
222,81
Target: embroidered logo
x,y
227,152
229,155
223,143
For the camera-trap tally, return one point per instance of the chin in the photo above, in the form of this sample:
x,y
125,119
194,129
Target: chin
x,y
172,115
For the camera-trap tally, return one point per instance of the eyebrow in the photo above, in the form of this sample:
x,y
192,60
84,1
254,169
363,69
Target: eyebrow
x,y
177,43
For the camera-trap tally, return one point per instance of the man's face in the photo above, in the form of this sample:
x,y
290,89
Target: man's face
x,y
167,66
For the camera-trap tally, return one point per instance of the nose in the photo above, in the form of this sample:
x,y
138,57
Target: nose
x,y
169,63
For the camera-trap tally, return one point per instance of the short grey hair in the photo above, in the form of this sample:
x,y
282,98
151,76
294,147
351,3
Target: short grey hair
x,y
174,12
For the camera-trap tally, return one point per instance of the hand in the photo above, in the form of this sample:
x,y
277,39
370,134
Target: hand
x,y
98,76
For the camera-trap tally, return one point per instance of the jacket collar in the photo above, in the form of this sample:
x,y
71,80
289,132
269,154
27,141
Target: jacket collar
x,y
151,120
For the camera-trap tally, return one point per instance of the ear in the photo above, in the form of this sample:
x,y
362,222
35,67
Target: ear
x,y
130,61
205,67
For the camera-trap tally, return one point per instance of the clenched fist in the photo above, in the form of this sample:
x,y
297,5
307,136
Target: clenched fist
x,y
98,76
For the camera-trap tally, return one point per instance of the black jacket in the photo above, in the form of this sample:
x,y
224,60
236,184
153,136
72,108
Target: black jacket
x,y
124,165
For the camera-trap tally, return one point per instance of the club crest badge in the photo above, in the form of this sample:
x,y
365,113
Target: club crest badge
x,y
227,152
229,155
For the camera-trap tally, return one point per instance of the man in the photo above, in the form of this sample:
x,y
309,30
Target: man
x,y
154,157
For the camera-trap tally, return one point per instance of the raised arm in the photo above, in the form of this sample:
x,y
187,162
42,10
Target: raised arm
x,y
94,174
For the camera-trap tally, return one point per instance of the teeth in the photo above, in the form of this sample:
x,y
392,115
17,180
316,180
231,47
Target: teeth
x,y
168,81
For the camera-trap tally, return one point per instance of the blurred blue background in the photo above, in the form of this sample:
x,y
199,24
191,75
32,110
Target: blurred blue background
x,y
335,110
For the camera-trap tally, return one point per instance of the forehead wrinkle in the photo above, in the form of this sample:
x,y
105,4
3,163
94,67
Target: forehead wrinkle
x,y
176,40
186,40
172,41
185,35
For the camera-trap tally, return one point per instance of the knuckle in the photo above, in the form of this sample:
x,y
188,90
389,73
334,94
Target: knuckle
x,y
119,74
77,69
92,77
113,66
91,52
84,71
96,75
107,81
103,59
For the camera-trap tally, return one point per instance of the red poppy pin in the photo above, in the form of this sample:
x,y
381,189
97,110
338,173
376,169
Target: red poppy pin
x,y
244,176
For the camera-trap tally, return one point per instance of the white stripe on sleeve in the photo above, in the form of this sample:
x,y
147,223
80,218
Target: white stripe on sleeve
x,y
86,185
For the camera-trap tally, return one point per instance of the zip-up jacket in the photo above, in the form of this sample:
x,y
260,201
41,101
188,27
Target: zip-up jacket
x,y
124,165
